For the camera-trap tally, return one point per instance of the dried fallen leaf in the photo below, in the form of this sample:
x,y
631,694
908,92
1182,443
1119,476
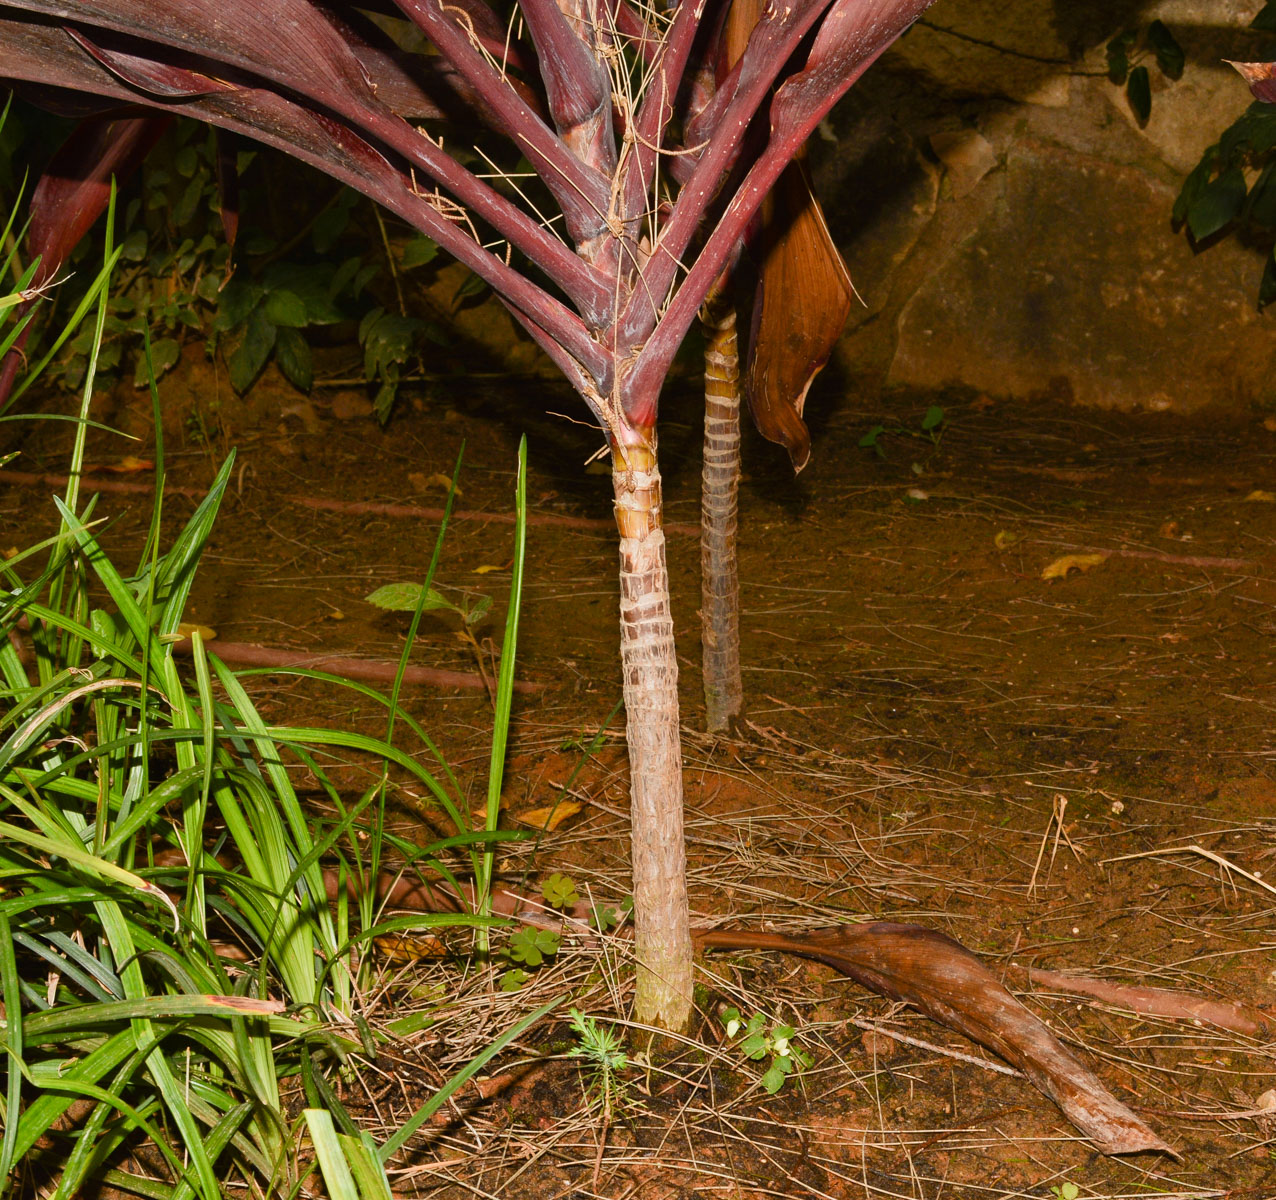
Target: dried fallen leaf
x,y
548,818
443,481
1004,538
403,948
128,465
1072,562
1261,497
185,629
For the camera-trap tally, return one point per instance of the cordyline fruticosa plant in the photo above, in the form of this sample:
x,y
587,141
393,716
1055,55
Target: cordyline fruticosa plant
x,y
651,154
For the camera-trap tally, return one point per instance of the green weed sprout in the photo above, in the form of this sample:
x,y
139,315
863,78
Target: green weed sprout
x,y
931,427
757,1042
601,1049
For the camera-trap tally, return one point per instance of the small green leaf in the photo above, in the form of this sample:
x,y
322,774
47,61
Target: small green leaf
x,y
773,1079
872,440
472,286
1266,18
208,287
1260,205
1138,91
1219,203
559,891
412,1023
164,353
1195,183
478,610
1267,285
419,251
185,161
1169,54
533,946
933,419
513,979
236,300
247,359
286,308
330,224
404,597
1118,60
603,919
292,353
133,247
184,209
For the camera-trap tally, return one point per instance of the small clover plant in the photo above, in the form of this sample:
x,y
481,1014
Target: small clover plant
x,y
560,891
533,946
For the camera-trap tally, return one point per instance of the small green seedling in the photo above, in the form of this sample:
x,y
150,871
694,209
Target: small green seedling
x,y
472,609
757,1042
604,917
560,891
513,979
533,946
932,427
1065,1191
601,1048
1125,67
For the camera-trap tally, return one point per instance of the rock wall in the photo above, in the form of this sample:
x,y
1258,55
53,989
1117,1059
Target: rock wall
x,y
1007,220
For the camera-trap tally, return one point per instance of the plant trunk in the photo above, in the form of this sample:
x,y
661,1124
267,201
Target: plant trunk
x,y
719,567
662,926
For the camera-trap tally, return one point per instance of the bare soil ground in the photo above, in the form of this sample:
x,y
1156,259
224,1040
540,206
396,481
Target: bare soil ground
x,y
935,733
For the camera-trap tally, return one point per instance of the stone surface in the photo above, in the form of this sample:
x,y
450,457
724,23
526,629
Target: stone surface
x,y
1075,287
1007,220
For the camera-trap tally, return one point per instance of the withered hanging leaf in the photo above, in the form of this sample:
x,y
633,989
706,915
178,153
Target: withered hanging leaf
x,y
803,299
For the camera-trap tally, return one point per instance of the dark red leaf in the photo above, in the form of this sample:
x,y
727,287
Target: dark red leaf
x,y
1261,78
46,54
76,185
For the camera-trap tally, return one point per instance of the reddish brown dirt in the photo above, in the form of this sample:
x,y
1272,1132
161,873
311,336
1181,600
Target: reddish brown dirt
x,y
934,733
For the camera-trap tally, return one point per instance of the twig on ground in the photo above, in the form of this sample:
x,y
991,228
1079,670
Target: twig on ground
x,y
416,512
973,1059
1161,1002
369,670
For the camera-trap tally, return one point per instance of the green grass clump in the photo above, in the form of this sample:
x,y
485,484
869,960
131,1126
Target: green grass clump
x,y
171,966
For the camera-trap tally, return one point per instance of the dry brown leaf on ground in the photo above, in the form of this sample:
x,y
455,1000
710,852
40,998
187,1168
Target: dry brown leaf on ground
x,y
1061,567
1161,1002
944,980
549,817
185,630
